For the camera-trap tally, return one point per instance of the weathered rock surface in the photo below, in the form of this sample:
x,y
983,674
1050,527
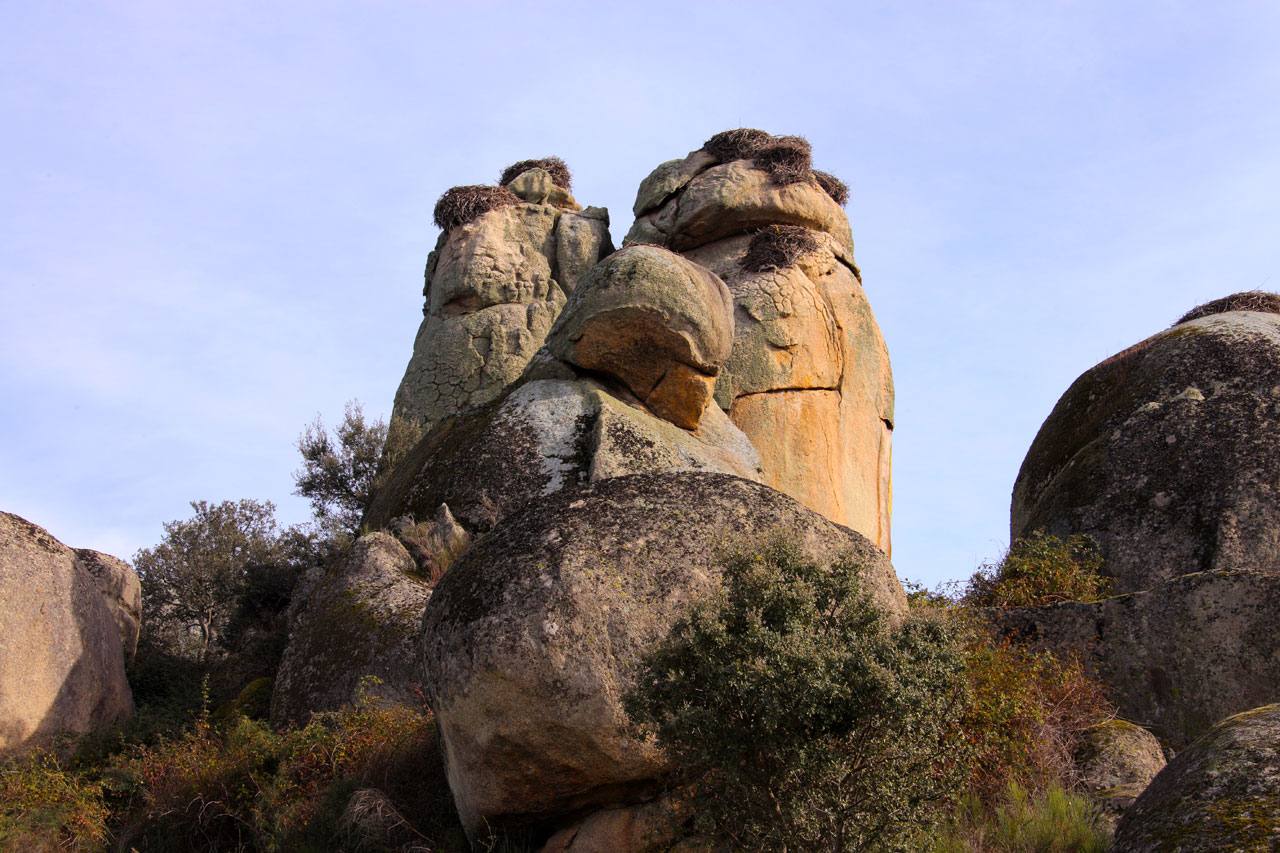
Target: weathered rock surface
x,y
544,436
1165,454
357,618
652,827
1220,794
63,627
1176,658
121,590
808,380
1115,762
660,325
532,637
494,286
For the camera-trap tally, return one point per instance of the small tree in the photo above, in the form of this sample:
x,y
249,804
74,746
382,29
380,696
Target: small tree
x,y
800,717
1040,569
341,471
192,581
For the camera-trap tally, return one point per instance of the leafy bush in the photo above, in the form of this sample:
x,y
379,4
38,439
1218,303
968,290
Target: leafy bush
x,y
1026,715
1051,821
1040,569
247,787
801,718
45,807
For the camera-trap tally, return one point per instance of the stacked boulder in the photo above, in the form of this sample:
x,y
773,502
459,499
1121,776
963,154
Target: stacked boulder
x,y
808,360
69,623
1165,455
507,259
717,381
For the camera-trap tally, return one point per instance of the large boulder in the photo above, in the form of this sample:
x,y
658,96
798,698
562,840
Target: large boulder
x,y
353,621
1165,454
495,284
1175,658
660,325
1115,762
1220,794
533,637
64,626
808,380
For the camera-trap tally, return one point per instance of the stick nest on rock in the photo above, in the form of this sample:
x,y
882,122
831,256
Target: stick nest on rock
x,y
554,166
777,246
461,205
1249,300
832,186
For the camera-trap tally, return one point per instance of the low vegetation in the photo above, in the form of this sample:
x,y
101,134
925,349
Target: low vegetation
x,y
1040,569
1053,820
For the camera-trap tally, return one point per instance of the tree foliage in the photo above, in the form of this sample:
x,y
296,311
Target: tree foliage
x,y
1040,569
801,718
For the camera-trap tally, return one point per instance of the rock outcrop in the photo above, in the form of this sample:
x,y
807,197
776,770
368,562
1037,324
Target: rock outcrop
x,y
808,360
69,619
532,637
1176,658
357,618
623,386
1115,762
1165,454
503,267
1221,793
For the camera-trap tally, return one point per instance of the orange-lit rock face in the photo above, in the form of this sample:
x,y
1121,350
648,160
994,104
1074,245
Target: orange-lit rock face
x,y
808,380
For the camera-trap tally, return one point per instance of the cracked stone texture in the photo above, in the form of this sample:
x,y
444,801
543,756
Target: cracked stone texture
x,y
1222,793
67,619
359,617
657,323
808,379
1165,454
1176,658
532,638
494,287
544,436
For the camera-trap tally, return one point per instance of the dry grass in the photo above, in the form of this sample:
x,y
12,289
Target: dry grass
x,y
554,166
832,186
461,205
738,144
777,246
1249,300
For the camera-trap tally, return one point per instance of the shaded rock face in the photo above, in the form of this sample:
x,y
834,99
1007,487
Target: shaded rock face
x,y
1221,793
360,617
533,637
63,629
1115,762
1165,454
494,286
1176,658
808,380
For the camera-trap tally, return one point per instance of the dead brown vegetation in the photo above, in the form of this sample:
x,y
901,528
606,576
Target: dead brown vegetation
x,y
554,166
777,246
787,159
832,186
461,205
1248,300
741,143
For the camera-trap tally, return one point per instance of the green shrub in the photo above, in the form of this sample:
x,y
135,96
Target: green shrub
x,y
46,807
800,718
1040,569
1051,821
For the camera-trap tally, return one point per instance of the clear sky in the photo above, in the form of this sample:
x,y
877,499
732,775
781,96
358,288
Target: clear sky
x,y
214,216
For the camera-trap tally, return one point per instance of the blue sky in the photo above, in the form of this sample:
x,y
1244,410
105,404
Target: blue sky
x,y
215,216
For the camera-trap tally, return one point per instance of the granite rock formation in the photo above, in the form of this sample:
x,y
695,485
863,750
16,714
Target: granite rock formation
x,y
68,622
533,636
1221,793
1115,762
500,273
808,360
